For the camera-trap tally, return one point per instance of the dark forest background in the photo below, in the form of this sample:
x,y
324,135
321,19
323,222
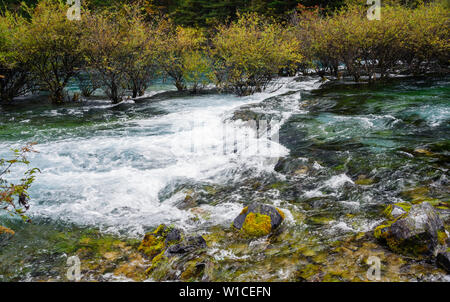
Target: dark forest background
x,y
201,13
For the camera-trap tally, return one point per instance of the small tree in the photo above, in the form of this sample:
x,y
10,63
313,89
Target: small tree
x,y
122,50
14,196
250,52
142,48
428,37
14,75
104,53
183,58
52,44
197,69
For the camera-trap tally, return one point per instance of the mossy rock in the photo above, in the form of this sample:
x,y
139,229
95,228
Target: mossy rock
x,y
396,210
443,261
318,220
193,270
309,272
164,243
418,233
258,220
156,242
363,181
256,225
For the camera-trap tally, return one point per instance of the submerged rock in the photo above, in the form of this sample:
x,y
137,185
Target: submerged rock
x,y
443,260
190,244
154,244
173,235
290,165
258,219
166,242
419,232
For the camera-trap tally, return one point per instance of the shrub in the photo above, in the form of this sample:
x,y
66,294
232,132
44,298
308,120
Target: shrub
x,y
105,33
14,196
14,75
250,52
183,58
428,37
52,45
88,81
141,45
413,37
121,49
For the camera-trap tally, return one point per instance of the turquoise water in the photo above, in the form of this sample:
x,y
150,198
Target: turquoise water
x,y
126,168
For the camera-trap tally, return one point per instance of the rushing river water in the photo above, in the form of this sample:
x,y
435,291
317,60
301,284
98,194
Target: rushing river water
x,y
127,168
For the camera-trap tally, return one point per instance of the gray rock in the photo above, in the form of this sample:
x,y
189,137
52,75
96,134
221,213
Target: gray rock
x,y
259,208
288,165
173,236
189,245
443,260
418,231
397,211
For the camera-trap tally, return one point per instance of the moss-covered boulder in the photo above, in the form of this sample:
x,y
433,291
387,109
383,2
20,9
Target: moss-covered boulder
x,y
258,219
396,210
154,243
418,232
165,242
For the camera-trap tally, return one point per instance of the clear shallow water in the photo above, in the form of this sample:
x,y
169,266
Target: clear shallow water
x,y
129,167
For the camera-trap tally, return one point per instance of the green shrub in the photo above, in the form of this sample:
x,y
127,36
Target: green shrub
x,y
182,56
250,52
51,44
14,76
415,38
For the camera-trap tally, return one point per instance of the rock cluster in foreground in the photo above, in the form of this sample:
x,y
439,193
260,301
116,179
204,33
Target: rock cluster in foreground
x,y
415,230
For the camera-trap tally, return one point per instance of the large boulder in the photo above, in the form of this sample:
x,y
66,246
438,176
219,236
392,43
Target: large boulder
x,y
258,219
417,232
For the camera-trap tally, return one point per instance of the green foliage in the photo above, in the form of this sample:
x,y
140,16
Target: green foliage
x,y
250,52
122,47
183,56
142,47
14,76
416,38
51,43
14,196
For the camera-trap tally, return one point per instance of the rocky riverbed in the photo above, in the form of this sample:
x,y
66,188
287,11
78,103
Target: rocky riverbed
x,y
356,173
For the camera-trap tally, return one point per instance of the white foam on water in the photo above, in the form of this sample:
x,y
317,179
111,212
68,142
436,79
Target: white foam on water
x,y
112,178
338,181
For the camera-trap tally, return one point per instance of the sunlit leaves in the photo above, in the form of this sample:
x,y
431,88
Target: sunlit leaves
x,y
250,52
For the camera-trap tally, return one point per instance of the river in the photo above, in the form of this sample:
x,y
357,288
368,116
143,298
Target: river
x,y
124,169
